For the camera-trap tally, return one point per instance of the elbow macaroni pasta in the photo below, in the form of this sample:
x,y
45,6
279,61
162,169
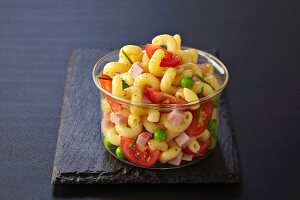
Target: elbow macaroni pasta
x,y
151,126
169,154
135,53
155,145
167,40
154,63
146,79
166,81
179,127
113,67
129,132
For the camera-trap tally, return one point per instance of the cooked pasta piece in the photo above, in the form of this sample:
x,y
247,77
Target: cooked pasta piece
x,y
154,63
169,154
179,127
129,132
166,81
155,145
146,79
151,126
134,53
112,68
167,40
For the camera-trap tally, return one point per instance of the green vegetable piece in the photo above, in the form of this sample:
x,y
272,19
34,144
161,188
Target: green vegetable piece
x,y
216,102
204,81
212,126
132,144
187,82
124,85
107,144
159,135
213,143
127,57
119,153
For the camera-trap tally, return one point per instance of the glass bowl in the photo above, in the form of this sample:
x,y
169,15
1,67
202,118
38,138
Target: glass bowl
x,y
220,73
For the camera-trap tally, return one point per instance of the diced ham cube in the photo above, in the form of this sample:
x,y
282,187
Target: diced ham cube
x,y
182,139
118,119
143,139
176,117
177,160
136,69
214,113
106,120
187,157
203,69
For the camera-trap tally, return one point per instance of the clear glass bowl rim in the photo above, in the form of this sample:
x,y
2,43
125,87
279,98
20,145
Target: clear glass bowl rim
x,y
204,54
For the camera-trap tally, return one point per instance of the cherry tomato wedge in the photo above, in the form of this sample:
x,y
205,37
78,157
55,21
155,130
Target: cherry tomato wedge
x,y
199,125
143,158
105,84
204,146
170,59
159,97
114,106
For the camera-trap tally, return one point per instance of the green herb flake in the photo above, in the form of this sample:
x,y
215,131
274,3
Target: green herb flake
x,y
127,56
204,81
124,85
132,144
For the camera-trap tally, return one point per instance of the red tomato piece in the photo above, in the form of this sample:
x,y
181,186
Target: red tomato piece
x,y
204,146
158,97
199,125
114,106
143,158
105,84
169,60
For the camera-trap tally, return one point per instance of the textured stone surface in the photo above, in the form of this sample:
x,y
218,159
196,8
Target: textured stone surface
x,y
81,158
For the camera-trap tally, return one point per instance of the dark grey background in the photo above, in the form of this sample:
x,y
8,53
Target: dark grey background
x,y
258,41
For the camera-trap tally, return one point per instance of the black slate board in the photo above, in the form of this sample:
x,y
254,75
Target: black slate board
x,y
81,158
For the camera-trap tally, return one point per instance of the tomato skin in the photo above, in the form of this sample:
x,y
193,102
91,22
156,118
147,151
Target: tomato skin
x,y
114,106
169,60
105,84
204,147
197,127
158,97
145,158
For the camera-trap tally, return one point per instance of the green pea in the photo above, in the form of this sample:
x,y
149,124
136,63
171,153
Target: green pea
x,y
187,82
107,144
119,153
159,135
213,143
212,126
216,102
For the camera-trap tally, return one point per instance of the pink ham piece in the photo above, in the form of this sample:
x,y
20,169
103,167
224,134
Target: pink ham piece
x,y
118,119
214,114
203,69
176,161
106,120
176,117
136,69
187,157
143,139
182,139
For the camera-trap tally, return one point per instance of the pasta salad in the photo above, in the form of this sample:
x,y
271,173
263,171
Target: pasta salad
x,y
153,128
